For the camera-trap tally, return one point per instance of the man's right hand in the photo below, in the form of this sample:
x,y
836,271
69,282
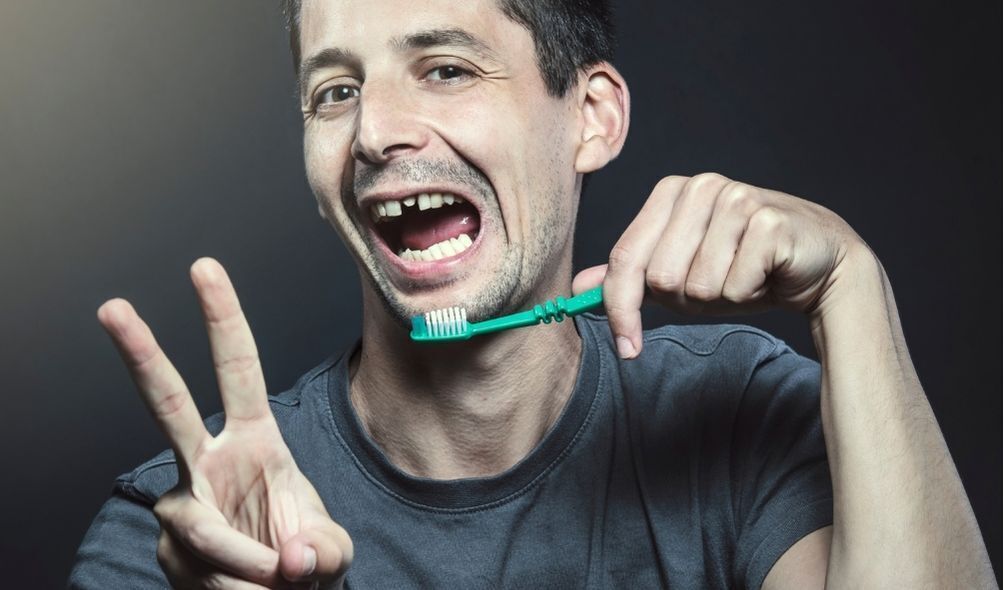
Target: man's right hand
x,y
242,514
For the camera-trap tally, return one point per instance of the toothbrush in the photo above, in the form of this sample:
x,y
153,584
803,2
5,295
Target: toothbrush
x,y
450,324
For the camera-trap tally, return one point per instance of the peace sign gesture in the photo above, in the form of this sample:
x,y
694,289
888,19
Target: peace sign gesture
x,y
242,514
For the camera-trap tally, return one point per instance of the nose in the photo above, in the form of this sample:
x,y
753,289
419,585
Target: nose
x,y
386,126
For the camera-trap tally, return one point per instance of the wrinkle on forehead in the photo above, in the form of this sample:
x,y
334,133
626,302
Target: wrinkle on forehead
x,y
356,23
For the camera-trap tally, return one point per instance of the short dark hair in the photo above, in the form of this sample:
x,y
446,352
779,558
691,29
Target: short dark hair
x,y
568,35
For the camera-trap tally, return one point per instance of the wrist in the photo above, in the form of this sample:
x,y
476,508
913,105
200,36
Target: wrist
x,y
857,286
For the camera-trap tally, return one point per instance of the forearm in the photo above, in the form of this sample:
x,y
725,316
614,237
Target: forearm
x,y
901,515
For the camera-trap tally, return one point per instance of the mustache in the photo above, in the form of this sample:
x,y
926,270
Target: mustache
x,y
418,171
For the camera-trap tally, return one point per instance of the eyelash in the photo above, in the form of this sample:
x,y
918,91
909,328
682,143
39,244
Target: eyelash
x,y
461,71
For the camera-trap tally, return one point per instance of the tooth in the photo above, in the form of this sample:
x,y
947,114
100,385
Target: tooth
x,y
458,247
448,199
393,208
409,201
436,251
465,240
436,200
423,201
382,209
375,213
447,248
426,255
406,254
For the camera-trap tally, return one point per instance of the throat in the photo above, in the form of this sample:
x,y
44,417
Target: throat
x,y
442,416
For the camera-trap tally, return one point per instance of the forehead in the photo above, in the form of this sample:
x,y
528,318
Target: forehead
x,y
371,25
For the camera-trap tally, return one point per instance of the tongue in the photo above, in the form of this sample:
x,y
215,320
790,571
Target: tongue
x,y
422,229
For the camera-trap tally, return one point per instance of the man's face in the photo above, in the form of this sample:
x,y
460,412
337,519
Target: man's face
x,y
409,105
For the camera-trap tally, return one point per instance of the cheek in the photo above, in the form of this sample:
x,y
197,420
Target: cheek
x,y
325,155
523,151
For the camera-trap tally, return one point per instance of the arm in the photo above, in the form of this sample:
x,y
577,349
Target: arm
x,y
901,516
708,244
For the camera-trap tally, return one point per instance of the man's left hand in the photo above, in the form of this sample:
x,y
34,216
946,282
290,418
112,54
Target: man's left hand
x,y
708,244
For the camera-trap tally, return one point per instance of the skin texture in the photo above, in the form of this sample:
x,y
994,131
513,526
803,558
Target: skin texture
x,y
450,117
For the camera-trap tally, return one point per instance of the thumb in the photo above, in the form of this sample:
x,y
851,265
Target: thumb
x,y
589,278
321,553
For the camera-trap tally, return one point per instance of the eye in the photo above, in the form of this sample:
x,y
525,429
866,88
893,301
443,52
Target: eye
x,y
444,73
338,93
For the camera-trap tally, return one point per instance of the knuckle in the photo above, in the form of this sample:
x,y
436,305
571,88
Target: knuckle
x,y
167,506
163,509
734,295
701,292
238,364
163,551
767,219
670,183
662,280
704,179
621,258
738,195
172,403
616,310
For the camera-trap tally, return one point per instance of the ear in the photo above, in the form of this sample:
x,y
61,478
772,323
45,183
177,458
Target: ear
x,y
605,112
320,211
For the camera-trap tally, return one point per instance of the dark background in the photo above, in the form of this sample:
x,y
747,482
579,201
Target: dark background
x,y
138,136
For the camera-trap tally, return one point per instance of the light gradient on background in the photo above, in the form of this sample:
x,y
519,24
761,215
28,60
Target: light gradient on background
x,y
137,136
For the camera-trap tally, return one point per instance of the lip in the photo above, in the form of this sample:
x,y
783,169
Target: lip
x,y
420,271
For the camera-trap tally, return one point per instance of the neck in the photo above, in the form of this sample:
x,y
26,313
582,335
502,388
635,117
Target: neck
x,y
468,409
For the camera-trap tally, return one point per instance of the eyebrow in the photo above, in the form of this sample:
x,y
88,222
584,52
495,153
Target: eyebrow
x,y
447,37
329,57
450,37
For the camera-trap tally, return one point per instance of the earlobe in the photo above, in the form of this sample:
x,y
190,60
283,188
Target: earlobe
x,y
605,107
320,211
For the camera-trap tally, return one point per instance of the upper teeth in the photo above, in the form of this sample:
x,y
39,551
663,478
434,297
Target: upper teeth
x,y
394,208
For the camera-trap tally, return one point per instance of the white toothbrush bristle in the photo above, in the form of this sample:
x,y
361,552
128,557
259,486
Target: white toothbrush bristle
x,y
449,321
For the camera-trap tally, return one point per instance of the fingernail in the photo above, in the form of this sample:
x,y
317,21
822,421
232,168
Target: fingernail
x,y
309,560
625,348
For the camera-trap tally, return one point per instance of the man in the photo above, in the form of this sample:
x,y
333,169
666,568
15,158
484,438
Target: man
x,y
572,455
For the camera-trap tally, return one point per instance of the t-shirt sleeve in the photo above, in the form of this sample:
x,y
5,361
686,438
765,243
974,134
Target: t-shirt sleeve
x,y
782,490
120,548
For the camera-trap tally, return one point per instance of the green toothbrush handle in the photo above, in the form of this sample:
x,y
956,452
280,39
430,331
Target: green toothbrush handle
x,y
552,309
584,301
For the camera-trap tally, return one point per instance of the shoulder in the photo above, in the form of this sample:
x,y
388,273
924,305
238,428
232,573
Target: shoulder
x,y
734,348
295,411
701,376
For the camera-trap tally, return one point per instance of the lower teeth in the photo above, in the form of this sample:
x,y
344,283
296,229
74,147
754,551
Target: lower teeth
x,y
443,249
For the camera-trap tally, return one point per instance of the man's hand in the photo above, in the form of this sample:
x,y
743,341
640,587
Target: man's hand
x,y
708,244
242,514
713,245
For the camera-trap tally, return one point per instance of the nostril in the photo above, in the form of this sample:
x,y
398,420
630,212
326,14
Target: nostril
x,y
396,150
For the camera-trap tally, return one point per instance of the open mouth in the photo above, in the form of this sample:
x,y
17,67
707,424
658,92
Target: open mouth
x,y
426,226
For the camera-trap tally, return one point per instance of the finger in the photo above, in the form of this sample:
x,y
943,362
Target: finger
x,y
705,279
746,282
624,285
319,554
184,570
666,275
238,370
589,278
208,535
162,388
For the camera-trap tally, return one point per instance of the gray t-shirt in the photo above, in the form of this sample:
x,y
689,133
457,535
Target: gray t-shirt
x,y
694,466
